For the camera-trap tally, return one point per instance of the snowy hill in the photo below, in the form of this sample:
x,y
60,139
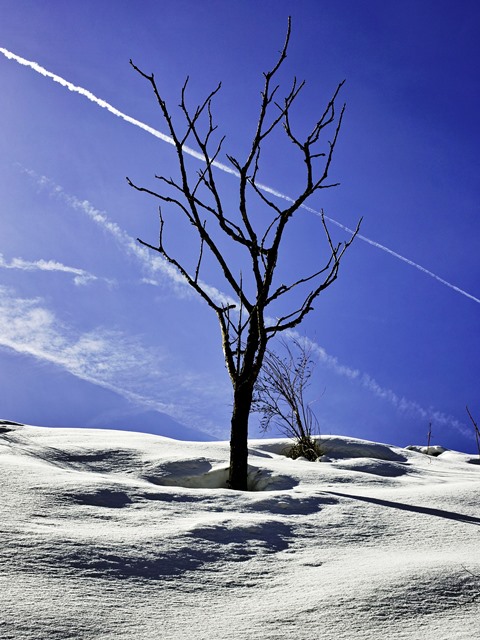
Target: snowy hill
x,y
119,535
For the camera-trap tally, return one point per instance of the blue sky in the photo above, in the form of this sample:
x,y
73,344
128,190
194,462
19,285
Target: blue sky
x,y
95,331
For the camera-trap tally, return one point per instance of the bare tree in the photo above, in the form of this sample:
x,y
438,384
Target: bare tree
x,y
280,397
245,324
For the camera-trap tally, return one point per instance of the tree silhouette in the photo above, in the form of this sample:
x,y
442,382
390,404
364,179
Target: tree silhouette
x,y
244,316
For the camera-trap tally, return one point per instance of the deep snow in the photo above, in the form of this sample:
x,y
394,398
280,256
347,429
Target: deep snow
x,y
118,535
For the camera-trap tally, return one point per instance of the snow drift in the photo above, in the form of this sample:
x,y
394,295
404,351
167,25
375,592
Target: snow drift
x,y
117,535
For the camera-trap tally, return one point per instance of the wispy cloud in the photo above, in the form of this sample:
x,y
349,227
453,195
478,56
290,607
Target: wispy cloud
x,y
81,277
103,357
153,265
399,403
409,407
222,167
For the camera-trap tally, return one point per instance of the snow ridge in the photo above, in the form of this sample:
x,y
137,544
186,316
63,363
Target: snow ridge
x,y
117,535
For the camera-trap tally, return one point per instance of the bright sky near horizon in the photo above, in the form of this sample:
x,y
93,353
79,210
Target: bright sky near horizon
x,y
97,331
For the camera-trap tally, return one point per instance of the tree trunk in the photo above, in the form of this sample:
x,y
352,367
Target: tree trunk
x,y
242,402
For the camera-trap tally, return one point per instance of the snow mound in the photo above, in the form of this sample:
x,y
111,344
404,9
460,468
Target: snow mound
x,y
114,535
336,447
434,450
341,447
383,468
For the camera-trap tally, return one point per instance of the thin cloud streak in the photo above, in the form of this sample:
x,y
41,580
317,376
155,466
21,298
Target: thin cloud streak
x,y
222,167
400,403
82,277
151,263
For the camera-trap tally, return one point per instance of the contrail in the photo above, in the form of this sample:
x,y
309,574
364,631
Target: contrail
x,y
222,167
377,245
105,105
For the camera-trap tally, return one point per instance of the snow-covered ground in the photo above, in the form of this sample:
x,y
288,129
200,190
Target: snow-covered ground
x,y
116,535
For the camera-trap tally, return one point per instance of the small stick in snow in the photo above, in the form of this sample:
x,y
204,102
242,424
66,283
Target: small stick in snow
x,y
477,431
